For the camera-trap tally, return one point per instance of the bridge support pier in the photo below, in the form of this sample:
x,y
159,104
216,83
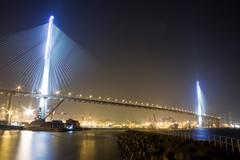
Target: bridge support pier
x,y
8,115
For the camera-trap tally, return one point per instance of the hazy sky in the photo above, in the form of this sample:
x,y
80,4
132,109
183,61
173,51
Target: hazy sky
x,y
143,50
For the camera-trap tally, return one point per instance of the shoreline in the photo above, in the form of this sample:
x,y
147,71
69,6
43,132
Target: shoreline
x,y
151,145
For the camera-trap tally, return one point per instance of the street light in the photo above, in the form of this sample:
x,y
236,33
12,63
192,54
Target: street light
x,y
57,92
28,111
18,88
10,112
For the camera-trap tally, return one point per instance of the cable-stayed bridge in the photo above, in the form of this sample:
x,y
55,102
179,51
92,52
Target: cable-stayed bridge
x,y
44,87
105,101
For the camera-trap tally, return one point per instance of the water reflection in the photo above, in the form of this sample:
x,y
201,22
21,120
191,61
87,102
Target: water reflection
x,y
24,146
87,149
27,145
7,145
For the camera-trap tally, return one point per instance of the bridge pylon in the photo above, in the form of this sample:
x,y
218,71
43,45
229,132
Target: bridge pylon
x,y
200,105
45,78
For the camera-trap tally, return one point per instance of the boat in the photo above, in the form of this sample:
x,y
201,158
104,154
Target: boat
x,y
49,126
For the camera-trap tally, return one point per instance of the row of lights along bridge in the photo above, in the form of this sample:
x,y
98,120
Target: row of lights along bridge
x,y
58,93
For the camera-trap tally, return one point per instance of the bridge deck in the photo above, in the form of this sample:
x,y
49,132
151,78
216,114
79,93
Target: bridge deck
x,y
100,101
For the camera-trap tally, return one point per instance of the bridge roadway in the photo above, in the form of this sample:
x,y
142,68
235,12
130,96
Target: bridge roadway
x,y
100,101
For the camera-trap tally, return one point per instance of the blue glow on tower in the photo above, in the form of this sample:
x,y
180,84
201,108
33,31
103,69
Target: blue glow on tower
x,y
200,104
45,78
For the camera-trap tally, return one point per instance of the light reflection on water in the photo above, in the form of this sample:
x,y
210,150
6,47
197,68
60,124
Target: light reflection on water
x,y
89,145
24,146
86,146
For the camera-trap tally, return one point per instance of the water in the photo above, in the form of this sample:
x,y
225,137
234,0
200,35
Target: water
x,y
205,132
95,144
89,145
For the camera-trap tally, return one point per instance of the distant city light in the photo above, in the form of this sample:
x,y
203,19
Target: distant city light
x,y
28,111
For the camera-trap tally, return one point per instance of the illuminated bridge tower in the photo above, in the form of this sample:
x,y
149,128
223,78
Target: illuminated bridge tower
x,y
200,104
45,78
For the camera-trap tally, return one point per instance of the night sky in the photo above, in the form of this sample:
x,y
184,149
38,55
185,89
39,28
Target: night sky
x,y
146,51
